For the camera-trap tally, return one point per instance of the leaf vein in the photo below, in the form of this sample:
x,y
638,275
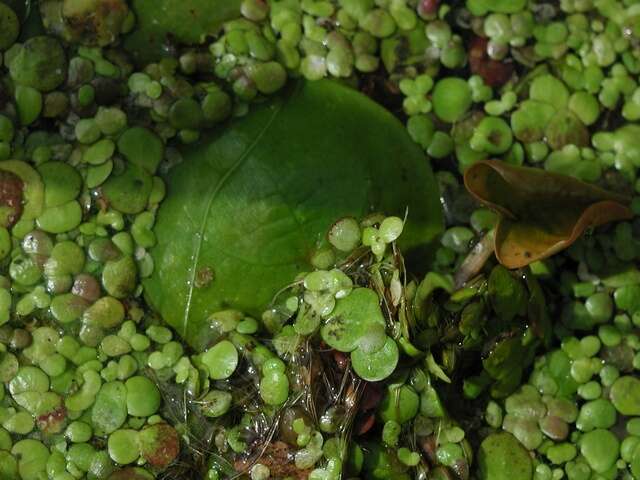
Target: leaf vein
x,y
213,194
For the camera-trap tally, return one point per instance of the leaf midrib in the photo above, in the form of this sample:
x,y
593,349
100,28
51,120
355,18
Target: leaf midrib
x,y
213,194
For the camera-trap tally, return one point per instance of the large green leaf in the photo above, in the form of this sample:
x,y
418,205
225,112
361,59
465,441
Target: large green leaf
x,y
248,205
185,21
541,213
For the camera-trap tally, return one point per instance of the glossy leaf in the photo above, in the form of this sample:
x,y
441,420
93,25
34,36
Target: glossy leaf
x,y
250,204
378,365
541,213
357,316
160,22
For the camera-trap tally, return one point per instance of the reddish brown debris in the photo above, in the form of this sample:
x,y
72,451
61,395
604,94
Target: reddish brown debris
x,y
101,201
130,473
204,277
341,359
429,447
279,458
428,8
369,401
52,422
494,73
159,445
11,187
97,25
371,396
364,423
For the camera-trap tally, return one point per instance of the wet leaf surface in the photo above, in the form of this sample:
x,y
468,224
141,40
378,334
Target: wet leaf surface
x,y
252,203
352,319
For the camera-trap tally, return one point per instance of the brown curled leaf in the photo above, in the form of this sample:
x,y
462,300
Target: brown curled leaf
x,y
541,213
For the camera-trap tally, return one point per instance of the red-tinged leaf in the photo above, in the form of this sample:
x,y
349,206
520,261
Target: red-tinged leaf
x,y
159,444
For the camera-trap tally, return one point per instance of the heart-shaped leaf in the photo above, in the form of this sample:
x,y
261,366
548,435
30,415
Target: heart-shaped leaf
x,y
541,213
160,22
248,206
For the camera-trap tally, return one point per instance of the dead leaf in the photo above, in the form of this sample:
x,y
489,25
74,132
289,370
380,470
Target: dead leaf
x,y
541,213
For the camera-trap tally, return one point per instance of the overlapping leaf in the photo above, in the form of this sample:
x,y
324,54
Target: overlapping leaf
x,y
247,207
